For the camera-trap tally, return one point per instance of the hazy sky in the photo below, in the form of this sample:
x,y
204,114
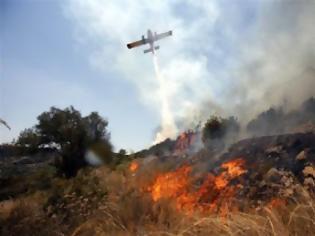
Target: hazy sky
x,y
42,65
73,52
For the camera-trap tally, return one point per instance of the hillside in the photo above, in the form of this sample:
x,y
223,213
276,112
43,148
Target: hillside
x,y
201,183
253,180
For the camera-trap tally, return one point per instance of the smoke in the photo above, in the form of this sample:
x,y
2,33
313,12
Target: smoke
x,y
225,58
277,64
168,128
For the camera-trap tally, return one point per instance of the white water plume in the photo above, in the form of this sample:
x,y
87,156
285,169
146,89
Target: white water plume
x,y
168,127
261,55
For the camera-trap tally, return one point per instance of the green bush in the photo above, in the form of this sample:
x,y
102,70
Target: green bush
x,y
217,129
71,134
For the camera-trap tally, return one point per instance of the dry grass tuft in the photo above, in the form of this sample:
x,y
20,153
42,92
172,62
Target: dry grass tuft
x,y
106,202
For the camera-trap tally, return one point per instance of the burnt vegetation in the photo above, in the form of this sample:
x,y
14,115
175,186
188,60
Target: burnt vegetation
x,y
208,181
217,131
276,121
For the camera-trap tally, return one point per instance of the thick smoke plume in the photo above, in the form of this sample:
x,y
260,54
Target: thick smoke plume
x,y
224,58
168,128
277,66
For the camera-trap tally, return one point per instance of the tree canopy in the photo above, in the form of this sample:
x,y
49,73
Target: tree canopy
x,y
72,133
217,129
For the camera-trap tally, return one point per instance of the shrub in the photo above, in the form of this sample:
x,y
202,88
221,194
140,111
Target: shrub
x,y
71,134
269,122
216,130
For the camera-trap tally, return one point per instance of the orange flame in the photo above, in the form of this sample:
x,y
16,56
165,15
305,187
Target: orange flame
x,y
184,141
133,167
171,184
178,185
233,168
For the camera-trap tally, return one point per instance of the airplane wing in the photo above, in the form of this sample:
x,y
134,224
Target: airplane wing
x,y
163,35
136,43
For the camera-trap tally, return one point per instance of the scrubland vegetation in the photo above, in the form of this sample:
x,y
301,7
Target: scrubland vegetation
x,y
257,186
111,202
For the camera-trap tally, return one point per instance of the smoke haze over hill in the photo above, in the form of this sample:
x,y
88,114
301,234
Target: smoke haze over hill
x,y
227,58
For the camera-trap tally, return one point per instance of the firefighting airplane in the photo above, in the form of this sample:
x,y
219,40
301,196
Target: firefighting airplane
x,y
151,38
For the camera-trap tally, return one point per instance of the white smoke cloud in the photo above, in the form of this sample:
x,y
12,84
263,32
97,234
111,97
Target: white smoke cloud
x,y
111,24
225,57
277,65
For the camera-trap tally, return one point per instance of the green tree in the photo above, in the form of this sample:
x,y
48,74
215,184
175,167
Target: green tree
x,y
73,134
29,138
217,129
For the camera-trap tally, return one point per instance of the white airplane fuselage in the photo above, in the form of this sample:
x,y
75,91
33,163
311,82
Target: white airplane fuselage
x,y
151,38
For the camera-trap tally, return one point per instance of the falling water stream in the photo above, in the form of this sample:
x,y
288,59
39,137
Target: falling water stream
x,y
168,127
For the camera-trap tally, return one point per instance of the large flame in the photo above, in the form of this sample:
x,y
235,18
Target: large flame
x,y
171,184
213,193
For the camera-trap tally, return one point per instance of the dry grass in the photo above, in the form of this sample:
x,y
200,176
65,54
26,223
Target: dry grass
x,y
132,212
25,216
127,210
160,221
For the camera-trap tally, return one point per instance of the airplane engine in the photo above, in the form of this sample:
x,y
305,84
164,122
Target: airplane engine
x,y
150,49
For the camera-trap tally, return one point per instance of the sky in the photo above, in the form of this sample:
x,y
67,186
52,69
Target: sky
x,y
223,58
42,65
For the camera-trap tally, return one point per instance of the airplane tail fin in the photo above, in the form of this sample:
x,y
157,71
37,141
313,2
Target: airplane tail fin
x,y
150,50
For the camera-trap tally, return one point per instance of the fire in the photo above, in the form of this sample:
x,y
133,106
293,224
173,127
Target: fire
x,y
213,193
184,142
233,168
133,167
171,185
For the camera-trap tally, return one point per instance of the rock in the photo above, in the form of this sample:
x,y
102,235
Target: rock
x,y
309,171
273,175
274,149
102,207
287,183
262,183
309,182
288,192
49,209
287,180
301,156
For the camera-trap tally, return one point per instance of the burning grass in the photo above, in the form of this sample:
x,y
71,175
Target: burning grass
x,y
162,202
133,167
137,213
179,186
